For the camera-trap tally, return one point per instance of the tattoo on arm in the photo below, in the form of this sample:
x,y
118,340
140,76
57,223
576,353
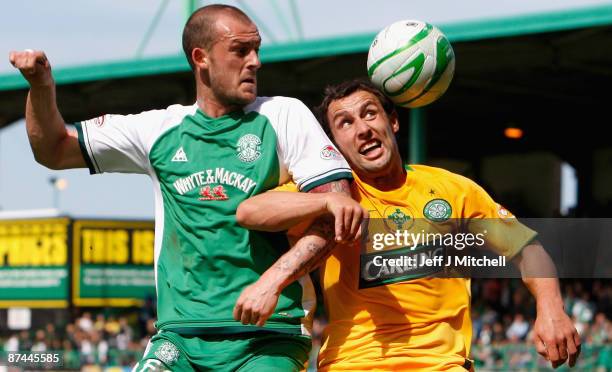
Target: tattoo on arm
x,y
318,242
334,186
309,252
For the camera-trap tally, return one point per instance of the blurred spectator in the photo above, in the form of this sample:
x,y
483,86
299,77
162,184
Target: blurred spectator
x,y
71,358
518,329
40,342
124,338
71,333
12,344
582,314
51,336
85,348
486,335
55,344
25,344
100,347
498,333
583,309
600,331
85,323
490,316
112,326
99,323
569,299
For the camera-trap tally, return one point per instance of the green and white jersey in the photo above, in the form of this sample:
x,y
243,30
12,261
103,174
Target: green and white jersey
x,y
202,168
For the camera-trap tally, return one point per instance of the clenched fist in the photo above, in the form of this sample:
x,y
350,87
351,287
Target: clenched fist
x,y
348,216
256,303
34,66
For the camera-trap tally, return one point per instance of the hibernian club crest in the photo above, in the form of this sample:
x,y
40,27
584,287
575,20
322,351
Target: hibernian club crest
x,y
167,353
248,148
437,210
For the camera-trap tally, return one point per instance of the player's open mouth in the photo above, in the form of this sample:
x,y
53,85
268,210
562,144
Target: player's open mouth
x,y
370,147
248,80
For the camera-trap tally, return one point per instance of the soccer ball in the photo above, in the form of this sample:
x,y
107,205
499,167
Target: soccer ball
x,y
411,62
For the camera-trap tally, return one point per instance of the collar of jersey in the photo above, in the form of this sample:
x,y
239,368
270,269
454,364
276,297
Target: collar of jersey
x,y
203,123
396,196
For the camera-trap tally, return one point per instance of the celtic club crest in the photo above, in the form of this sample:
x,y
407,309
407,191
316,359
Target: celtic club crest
x,y
437,210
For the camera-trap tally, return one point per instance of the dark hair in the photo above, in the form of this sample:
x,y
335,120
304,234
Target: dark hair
x,y
345,89
200,32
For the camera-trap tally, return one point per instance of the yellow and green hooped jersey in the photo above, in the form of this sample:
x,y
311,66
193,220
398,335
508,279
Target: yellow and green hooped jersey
x,y
202,168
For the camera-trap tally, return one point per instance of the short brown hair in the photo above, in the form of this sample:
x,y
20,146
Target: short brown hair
x,y
345,89
199,31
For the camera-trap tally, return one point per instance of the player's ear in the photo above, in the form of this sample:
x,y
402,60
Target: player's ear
x,y
394,121
200,58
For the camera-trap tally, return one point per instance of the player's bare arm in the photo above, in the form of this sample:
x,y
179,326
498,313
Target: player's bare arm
x,y
555,336
281,210
258,301
52,144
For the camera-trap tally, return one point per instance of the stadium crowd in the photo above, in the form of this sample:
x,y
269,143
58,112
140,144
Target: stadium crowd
x,y
503,313
92,339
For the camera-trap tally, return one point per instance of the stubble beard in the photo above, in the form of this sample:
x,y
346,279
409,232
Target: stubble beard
x,y
233,100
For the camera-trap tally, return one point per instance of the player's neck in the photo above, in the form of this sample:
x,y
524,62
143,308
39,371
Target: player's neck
x,y
391,179
214,109
210,105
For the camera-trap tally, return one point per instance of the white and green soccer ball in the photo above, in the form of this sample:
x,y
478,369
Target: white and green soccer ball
x,y
411,62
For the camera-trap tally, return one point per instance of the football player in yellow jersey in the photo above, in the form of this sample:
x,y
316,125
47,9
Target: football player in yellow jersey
x,y
388,319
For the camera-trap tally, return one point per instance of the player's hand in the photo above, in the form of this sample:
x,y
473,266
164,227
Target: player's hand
x,y
348,215
555,337
34,66
256,303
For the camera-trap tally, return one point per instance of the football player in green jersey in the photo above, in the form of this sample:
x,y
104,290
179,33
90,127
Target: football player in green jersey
x,y
204,159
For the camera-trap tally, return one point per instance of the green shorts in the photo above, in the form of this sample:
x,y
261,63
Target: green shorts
x,y
268,351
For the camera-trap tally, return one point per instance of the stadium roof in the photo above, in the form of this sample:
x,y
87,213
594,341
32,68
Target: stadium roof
x,y
128,86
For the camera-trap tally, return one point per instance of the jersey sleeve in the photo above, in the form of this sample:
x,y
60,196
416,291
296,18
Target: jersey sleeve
x,y
503,232
118,143
305,150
